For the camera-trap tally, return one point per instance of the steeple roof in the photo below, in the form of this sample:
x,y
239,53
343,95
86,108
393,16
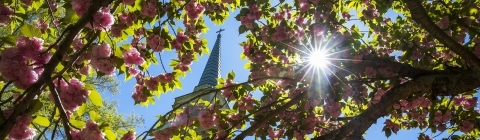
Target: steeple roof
x,y
213,68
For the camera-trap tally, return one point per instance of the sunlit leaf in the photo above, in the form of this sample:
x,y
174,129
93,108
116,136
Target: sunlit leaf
x,y
30,31
77,123
42,121
94,115
95,98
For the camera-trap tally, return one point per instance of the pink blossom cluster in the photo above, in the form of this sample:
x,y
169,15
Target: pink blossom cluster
x,y
466,103
417,54
466,126
177,43
206,118
153,82
149,8
186,59
182,119
227,93
333,108
281,15
441,119
41,25
198,45
103,20
409,105
248,20
5,14
127,19
133,71
233,119
90,132
194,9
309,123
138,95
370,13
156,42
389,124
346,16
299,134
132,56
20,130
81,6
273,134
128,136
246,103
443,23
280,34
101,60
164,134
378,96
72,94
304,5
23,63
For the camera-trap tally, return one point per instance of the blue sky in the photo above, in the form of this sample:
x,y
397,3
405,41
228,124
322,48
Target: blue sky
x,y
230,58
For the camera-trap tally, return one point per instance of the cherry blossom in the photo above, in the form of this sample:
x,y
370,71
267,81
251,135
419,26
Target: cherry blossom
x,y
132,56
21,130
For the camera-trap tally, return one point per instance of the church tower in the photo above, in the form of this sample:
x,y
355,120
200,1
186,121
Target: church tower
x,y
208,79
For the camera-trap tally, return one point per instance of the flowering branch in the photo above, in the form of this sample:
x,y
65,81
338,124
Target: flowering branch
x,y
59,105
49,68
207,92
420,16
270,116
459,83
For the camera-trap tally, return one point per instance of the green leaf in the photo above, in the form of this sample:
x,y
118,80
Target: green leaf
x,y
10,40
95,98
35,106
388,132
70,16
42,121
77,123
242,29
30,31
94,116
110,134
231,75
81,109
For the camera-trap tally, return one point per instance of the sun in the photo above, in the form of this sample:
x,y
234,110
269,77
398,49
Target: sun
x,y
318,58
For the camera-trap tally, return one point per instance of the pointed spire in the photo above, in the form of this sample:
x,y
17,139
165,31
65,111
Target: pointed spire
x,y
213,69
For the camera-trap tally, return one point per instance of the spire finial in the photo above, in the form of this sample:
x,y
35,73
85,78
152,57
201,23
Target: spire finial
x,y
220,30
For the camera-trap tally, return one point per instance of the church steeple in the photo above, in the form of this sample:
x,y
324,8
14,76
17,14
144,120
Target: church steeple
x,y
213,69
208,80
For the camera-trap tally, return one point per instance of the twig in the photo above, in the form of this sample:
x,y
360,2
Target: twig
x,y
161,62
51,120
55,130
59,105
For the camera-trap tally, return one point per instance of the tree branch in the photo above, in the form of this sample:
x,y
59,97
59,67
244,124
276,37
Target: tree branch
x,y
459,83
420,16
270,116
207,92
49,68
59,105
